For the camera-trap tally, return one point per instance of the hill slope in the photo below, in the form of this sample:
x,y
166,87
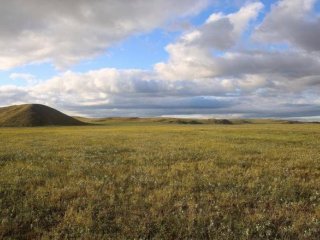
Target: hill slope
x,y
32,115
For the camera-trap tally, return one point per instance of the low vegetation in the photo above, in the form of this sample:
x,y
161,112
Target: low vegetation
x,y
151,180
33,115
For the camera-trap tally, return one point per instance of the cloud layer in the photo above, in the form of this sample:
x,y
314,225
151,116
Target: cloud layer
x,y
233,64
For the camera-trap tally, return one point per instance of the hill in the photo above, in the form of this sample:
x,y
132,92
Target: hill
x,y
163,120
32,115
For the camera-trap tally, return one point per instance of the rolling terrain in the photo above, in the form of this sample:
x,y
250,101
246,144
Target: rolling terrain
x,y
183,121
35,115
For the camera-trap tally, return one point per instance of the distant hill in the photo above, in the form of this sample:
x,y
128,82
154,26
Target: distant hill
x,y
165,120
190,121
32,115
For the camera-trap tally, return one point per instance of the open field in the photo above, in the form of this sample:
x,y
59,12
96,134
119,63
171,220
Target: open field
x,y
164,181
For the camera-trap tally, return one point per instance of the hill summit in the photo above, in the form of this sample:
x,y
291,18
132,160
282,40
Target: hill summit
x,y
33,115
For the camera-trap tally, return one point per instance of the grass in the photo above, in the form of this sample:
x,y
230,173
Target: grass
x,y
32,115
160,181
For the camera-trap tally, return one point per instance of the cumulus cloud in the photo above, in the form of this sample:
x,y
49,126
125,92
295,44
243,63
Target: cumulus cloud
x,y
292,22
66,32
191,56
243,69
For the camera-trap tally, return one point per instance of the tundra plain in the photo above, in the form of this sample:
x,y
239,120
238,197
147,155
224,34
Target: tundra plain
x,y
160,180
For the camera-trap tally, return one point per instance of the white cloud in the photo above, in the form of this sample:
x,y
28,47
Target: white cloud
x,y
28,78
191,56
66,32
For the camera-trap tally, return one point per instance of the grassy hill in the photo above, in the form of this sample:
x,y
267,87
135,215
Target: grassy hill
x,y
32,115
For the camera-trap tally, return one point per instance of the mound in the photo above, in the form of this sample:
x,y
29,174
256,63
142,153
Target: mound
x,y
32,115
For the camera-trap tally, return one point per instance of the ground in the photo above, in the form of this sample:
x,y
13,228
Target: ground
x,y
160,181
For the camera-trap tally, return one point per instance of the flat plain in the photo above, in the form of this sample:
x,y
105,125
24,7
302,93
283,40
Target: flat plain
x,y
151,180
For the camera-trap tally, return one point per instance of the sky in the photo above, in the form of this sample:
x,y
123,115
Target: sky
x,y
191,58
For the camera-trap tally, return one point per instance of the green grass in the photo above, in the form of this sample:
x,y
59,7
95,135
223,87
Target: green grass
x,y
160,181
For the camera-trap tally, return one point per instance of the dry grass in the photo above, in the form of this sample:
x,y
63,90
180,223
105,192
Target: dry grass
x,y
160,181
31,115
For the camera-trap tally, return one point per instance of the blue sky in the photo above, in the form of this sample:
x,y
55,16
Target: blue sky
x,y
99,58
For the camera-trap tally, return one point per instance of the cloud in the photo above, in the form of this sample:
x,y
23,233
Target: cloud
x,y
28,78
292,22
191,56
244,69
112,92
106,85
13,95
65,32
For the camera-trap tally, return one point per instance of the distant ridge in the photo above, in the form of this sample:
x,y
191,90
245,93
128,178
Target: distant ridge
x,y
166,120
33,115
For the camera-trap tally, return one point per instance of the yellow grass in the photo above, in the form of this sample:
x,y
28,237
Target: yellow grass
x,y
160,181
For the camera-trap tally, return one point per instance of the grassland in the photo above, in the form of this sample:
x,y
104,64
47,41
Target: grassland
x,y
160,181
